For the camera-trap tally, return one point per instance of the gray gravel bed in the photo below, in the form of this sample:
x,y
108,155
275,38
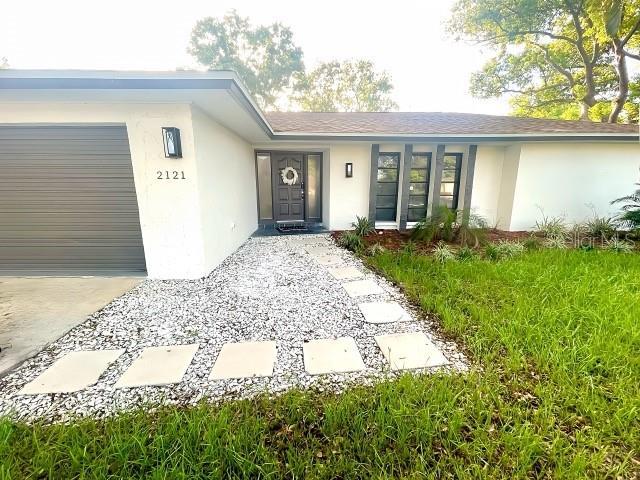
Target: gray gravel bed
x,y
270,289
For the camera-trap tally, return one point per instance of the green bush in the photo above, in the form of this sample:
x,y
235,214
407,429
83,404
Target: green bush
x,y
630,216
363,226
551,226
466,253
617,245
351,241
555,241
531,243
376,249
601,227
503,249
450,225
443,252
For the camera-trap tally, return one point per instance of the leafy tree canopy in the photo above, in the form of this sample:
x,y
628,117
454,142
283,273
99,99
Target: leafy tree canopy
x,y
350,86
555,58
265,57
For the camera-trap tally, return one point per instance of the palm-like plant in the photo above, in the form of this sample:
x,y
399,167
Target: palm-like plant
x,y
630,216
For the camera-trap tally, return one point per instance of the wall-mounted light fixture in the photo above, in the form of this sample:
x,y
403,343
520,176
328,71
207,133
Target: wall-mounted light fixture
x,y
348,170
172,145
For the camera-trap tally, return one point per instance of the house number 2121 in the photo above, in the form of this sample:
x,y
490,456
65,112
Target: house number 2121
x,y
170,175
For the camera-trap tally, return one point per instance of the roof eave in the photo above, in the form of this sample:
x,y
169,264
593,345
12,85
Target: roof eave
x,y
507,137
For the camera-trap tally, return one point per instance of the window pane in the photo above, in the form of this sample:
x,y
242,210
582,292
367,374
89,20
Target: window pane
x,y
417,201
386,214
387,175
387,189
314,186
446,201
388,161
386,201
416,214
264,186
419,161
448,175
418,189
446,189
450,161
418,175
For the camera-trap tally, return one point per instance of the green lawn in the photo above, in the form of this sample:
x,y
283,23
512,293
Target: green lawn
x,y
556,339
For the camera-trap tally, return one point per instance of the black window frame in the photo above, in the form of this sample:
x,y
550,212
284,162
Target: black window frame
x,y
429,157
396,182
456,179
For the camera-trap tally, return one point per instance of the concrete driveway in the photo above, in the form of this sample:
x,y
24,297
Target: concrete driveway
x,y
36,311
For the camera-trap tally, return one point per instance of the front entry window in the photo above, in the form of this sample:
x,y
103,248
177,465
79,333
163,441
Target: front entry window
x,y
419,186
387,187
450,180
265,199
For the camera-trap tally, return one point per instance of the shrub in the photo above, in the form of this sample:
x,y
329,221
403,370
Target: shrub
x,y
503,249
448,225
508,249
443,252
559,241
439,226
551,226
630,216
602,227
409,248
351,241
465,253
363,226
617,245
531,243
376,249
492,252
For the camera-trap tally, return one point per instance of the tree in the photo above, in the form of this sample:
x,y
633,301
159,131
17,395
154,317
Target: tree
x,y
350,86
264,57
553,57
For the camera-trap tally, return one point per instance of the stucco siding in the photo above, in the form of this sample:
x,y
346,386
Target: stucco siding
x,y
572,180
487,180
348,197
226,186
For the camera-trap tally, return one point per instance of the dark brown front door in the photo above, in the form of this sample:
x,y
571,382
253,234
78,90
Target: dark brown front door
x,y
288,179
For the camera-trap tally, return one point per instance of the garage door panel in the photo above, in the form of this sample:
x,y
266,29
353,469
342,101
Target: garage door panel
x,y
68,201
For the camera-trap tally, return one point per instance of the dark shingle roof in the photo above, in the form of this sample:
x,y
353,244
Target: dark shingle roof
x,y
433,123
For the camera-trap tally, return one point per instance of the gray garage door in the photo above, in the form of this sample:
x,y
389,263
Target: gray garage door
x,y
68,201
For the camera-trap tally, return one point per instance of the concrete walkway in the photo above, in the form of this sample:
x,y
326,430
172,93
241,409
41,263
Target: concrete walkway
x,y
280,313
39,310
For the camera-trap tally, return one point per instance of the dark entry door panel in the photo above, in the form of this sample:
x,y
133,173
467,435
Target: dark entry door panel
x,y
288,179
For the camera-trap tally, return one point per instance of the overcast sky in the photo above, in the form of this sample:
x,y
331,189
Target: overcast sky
x,y
430,70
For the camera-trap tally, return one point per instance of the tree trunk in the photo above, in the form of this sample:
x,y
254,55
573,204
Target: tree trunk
x,y
623,81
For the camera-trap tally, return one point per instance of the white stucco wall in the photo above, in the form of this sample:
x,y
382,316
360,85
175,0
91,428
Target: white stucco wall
x,y
486,182
572,180
347,197
226,186
179,218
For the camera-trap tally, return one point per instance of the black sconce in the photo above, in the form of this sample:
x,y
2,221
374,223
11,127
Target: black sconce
x,y
172,145
348,170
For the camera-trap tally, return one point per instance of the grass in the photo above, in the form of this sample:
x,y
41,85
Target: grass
x,y
554,332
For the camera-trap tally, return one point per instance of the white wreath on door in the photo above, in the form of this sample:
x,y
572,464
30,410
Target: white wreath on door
x,y
284,174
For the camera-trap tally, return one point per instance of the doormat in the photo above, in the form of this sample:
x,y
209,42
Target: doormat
x,y
293,228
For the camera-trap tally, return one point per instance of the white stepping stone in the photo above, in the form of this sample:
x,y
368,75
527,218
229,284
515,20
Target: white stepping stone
x,y
332,356
360,288
308,240
245,359
320,250
73,372
158,366
406,351
384,312
345,273
327,260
